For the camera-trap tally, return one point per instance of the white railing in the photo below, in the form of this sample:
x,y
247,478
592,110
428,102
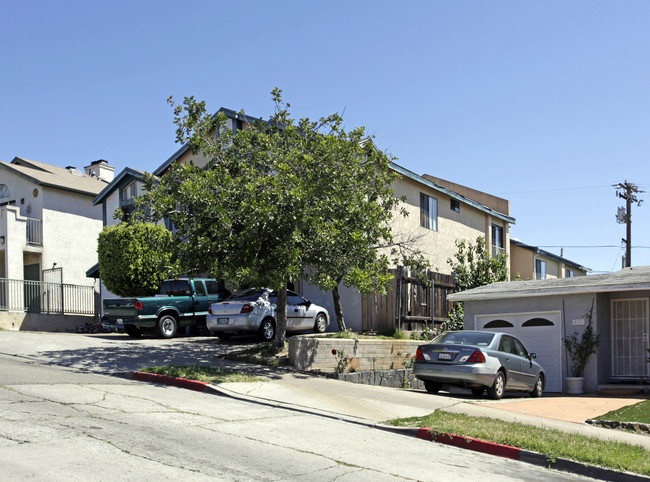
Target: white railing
x,y
45,297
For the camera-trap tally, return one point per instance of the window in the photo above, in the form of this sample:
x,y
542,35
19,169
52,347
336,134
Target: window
x,y
540,269
199,287
538,322
568,273
4,191
499,324
497,240
455,205
428,212
129,192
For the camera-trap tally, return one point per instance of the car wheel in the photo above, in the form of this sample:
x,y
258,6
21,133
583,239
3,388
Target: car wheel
x,y
539,387
132,331
496,390
224,336
167,326
267,330
321,323
432,387
478,391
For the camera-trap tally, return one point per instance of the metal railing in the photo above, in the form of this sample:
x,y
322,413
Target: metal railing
x,y
34,232
45,297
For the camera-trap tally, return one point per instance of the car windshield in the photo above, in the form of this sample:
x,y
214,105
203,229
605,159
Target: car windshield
x,y
464,338
246,295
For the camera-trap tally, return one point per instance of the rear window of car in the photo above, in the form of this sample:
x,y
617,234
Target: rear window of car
x,y
464,338
246,295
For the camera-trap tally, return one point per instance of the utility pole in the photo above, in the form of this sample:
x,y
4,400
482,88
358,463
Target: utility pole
x,y
627,191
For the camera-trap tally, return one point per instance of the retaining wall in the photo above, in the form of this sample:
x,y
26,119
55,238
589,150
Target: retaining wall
x,y
311,353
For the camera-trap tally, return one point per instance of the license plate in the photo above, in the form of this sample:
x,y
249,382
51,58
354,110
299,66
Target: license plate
x,y
445,356
222,321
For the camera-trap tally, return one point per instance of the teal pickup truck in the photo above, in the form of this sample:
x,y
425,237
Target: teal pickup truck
x,y
179,303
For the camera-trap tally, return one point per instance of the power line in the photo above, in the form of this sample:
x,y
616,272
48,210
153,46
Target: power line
x,y
602,246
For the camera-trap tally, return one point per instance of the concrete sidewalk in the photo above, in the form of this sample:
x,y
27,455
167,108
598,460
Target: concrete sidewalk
x,y
374,405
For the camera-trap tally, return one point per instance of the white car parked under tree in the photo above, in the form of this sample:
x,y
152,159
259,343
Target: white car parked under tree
x,y
254,311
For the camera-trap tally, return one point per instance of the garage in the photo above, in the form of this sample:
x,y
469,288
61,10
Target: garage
x,y
540,332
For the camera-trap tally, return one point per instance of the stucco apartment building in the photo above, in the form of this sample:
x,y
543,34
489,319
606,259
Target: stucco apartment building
x,y
48,226
530,262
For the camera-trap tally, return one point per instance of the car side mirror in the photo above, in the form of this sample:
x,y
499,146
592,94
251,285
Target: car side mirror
x,y
532,355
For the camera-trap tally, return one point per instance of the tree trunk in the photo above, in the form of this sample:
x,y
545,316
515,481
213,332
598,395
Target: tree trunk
x,y
338,310
281,315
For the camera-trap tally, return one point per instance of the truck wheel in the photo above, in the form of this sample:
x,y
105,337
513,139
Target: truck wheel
x,y
167,326
267,330
132,331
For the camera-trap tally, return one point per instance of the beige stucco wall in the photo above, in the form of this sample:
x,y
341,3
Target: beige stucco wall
x,y
522,264
438,246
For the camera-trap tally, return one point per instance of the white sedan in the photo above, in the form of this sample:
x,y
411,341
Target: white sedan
x,y
254,311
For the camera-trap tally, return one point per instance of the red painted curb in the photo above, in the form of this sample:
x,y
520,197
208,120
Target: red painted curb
x,y
470,444
173,381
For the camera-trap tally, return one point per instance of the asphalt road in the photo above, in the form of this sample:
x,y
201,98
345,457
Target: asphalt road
x,y
57,423
61,423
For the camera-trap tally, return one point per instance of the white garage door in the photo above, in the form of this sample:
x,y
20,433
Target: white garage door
x,y
540,333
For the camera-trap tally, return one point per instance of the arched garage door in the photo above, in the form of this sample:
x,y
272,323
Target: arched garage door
x,y
541,334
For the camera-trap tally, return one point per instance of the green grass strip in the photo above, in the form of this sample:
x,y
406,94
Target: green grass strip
x,y
637,413
549,442
203,374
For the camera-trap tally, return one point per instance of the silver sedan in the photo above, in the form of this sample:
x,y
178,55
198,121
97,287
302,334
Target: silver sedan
x,y
254,311
479,360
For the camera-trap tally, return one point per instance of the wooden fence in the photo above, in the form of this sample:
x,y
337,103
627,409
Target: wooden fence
x,y
409,304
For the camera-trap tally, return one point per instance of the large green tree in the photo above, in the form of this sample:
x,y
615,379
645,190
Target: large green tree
x,y
279,201
134,258
474,266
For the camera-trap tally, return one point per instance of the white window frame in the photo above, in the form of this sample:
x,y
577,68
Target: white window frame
x,y
428,212
540,273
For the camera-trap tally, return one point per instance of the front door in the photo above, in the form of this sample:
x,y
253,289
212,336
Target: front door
x,y
630,345
32,291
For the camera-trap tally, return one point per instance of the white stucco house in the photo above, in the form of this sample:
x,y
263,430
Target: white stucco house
x,y
543,312
48,226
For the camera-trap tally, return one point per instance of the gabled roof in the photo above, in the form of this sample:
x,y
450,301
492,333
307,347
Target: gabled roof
x,y
231,114
126,173
627,279
55,177
454,195
537,250
399,169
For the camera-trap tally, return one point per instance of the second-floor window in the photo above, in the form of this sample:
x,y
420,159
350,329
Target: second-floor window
x,y
497,240
129,192
568,273
540,269
428,212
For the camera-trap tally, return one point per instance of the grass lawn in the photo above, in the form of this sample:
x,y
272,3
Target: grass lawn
x,y
203,374
552,443
637,413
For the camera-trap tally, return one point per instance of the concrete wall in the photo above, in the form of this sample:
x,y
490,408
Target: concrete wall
x,y
310,352
18,321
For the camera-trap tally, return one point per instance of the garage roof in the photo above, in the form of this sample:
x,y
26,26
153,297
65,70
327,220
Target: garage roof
x,y
627,279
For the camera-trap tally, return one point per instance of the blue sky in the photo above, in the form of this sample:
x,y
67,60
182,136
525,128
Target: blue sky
x,y
544,103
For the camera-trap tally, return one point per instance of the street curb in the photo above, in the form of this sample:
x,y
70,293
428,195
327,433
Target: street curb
x,y
172,381
514,453
423,433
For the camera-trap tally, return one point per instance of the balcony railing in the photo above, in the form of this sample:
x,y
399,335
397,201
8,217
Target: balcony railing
x,y
497,249
34,232
45,297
